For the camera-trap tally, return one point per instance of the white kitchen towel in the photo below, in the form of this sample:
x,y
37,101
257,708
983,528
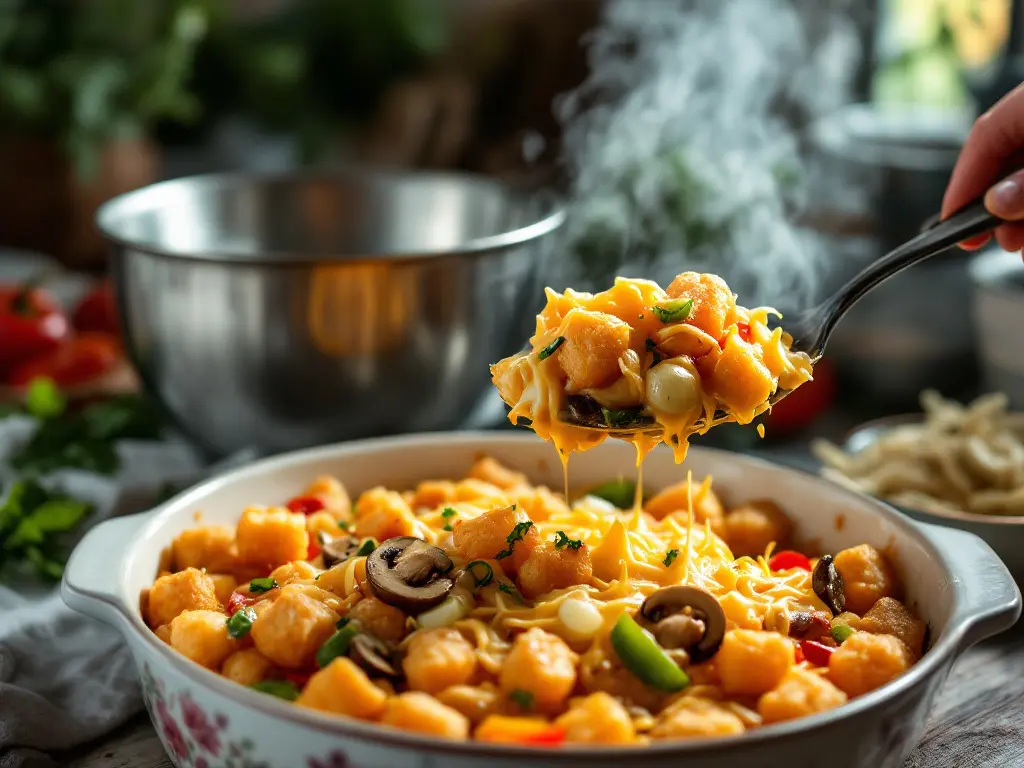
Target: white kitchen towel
x,y
66,679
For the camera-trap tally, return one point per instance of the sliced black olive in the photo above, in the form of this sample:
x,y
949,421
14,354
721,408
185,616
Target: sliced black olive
x,y
687,618
410,574
374,655
338,550
828,585
808,626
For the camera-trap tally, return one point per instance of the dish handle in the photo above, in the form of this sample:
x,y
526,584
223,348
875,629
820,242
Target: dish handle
x,y
988,599
92,577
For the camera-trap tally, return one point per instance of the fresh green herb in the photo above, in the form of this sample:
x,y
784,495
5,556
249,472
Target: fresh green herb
x,y
448,512
653,349
670,557
841,631
86,439
674,311
551,348
511,591
240,624
367,547
481,572
642,656
283,689
261,585
448,527
518,531
562,541
621,493
626,417
523,698
44,400
343,525
33,525
336,645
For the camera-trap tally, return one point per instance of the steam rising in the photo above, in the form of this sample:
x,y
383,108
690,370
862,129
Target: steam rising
x,y
682,145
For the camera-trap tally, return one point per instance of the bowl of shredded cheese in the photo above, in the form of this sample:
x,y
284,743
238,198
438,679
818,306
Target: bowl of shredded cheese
x,y
952,464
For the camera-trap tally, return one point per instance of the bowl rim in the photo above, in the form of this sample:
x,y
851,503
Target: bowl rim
x,y
947,648
552,214
888,423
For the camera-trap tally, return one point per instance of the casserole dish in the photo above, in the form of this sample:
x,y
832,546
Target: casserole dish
x,y
953,581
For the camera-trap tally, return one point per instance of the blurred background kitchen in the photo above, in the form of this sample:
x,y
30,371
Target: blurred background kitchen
x,y
780,143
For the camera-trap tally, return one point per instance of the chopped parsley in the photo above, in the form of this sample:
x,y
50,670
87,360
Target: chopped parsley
x,y
265,584
448,527
551,348
448,512
562,541
240,624
283,689
670,557
508,589
518,531
523,698
674,311
367,547
343,525
481,572
653,349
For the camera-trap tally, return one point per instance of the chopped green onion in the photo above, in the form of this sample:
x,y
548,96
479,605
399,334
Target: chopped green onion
x,y
448,512
448,527
262,585
674,311
622,418
643,657
343,525
481,572
367,547
518,531
653,349
342,622
336,645
670,557
562,541
523,698
511,591
551,348
621,493
841,631
240,624
283,689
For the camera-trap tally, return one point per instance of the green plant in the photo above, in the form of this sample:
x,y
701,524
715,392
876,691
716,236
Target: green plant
x,y
84,73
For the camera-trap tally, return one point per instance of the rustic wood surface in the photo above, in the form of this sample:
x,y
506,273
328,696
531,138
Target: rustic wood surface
x,y
978,719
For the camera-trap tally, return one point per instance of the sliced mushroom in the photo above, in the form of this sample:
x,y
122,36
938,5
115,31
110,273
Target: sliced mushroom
x,y
687,618
338,550
808,625
410,574
374,655
828,585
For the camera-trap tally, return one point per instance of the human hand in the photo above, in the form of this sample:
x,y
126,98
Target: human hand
x,y
994,148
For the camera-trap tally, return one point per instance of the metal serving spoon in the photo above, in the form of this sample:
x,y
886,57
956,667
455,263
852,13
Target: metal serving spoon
x,y
811,328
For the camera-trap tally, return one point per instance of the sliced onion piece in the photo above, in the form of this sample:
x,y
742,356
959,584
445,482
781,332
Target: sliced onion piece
x,y
456,606
580,617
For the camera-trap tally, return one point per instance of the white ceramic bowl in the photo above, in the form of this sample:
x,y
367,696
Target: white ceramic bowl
x,y
954,582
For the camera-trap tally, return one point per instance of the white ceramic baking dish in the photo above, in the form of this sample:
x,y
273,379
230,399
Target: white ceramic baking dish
x,y
953,579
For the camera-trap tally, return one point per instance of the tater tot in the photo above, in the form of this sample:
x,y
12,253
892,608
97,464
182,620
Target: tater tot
x,y
867,577
548,568
712,300
695,718
271,536
188,590
438,658
597,719
800,693
333,494
383,514
752,662
890,617
380,619
865,662
420,713
542,665
594,342
361,699
751,527
211,547
483,537
246,667
490,471
202,636
740,380
706,504
223,585
292,628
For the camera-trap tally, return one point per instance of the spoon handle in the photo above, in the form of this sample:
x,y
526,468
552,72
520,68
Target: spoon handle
x,y
970,221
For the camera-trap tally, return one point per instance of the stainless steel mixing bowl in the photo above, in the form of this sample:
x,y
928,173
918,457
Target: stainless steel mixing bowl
x,y
277,312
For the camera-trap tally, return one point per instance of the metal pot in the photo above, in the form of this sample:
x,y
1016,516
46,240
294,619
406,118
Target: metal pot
x,y
282,311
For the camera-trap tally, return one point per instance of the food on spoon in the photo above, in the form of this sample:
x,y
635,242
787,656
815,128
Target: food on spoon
x,y
959,458
573,622
637,356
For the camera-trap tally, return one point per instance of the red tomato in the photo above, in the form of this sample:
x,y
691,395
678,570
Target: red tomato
x,y
816,653
77,360
31,324
312,549
806,403
787,559
307,505
98,312
298,679
237,602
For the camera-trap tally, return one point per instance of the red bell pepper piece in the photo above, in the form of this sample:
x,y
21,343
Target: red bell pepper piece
x,y
307,505
238,601
788,558
312,549
298,679
549,737
816,653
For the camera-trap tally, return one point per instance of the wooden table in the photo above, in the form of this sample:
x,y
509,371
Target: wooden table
x,y
978,713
